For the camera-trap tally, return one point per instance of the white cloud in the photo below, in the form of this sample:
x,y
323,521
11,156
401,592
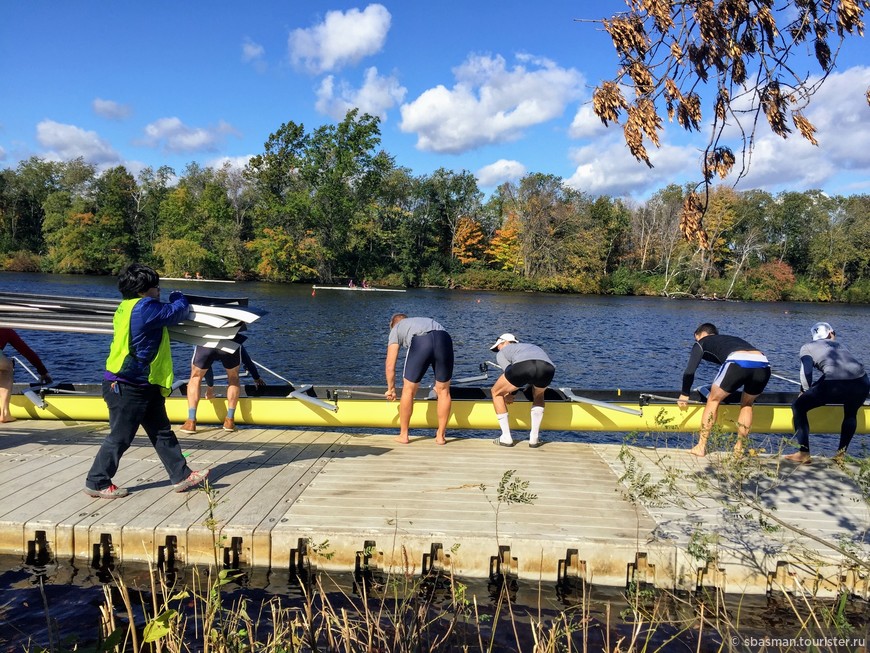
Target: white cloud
x,y
111,109
342,38
175,136
838,110
2,153
489,103
586,124
67,142
376,96
841,116
499,172
608,168
235,162
252,51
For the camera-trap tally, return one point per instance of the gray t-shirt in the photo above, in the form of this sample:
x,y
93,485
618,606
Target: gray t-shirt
x,y
405,330
517,352
832,359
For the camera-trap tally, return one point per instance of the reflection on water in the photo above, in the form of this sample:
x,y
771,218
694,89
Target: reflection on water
x,y
339,338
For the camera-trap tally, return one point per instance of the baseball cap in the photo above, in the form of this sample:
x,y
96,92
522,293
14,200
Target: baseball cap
x,y
821,330
505,337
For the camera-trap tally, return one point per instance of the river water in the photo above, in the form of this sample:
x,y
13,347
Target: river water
x,y
331,337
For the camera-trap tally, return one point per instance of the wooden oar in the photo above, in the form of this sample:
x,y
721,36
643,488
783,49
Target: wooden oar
x,y
568,392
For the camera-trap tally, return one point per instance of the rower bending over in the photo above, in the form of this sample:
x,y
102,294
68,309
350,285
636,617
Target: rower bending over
x,y
742,366
428,344
523,364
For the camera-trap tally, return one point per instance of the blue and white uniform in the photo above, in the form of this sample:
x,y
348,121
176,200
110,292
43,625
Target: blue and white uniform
x,y
741,364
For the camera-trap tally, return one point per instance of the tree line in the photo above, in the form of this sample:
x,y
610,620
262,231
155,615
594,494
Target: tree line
x,y
329,205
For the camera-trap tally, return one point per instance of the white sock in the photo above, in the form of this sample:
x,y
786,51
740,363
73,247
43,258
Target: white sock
x,y
505,427
537,418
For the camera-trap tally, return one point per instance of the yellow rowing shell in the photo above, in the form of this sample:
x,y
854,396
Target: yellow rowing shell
x,y
478,414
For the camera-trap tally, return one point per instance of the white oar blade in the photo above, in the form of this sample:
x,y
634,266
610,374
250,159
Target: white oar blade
x,y
34,398
314,401
568,392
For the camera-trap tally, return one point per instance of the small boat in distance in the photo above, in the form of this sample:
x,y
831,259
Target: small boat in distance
x,y
360,288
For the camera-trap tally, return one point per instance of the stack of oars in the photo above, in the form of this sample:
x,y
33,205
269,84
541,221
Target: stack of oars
x,y
212,322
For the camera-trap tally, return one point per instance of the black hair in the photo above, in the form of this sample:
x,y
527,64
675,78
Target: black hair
x,y
708,328
135,279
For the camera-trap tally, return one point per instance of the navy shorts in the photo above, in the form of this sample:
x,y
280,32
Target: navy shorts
x,y
732,377
433,349
537,373
204,358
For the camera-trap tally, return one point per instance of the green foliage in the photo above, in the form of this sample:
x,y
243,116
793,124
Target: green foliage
x,y
21,261
328,203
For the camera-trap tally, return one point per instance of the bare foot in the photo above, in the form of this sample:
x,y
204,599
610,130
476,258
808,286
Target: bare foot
x,y
441,440
698,450
402,440
799,457
8,418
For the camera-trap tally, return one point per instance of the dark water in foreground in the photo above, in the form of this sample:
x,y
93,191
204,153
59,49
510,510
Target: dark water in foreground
x,y
58,604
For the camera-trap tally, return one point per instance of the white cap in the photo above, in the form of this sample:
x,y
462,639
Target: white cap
x,y
821,330
505,337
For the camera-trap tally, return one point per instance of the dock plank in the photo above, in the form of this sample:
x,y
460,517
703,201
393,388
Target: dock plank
x,y
281,489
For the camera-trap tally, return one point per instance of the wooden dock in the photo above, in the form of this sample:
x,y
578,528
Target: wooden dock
x,y
331,498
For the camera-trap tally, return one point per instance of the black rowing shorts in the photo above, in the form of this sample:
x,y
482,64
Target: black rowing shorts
x,y
537,373
434,348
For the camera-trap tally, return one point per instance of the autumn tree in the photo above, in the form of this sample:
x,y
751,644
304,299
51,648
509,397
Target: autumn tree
x,y
504,248
747,54
468,243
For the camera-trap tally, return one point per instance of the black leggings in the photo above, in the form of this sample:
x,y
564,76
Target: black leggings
x,y
851,394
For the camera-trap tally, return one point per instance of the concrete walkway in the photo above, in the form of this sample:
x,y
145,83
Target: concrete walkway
x,y
281,496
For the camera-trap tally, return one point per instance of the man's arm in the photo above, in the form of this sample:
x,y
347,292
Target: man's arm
x,y
390,370
32,357
695,357
156,314
806,372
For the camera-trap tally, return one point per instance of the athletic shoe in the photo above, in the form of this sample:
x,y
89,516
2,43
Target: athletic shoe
x,y
535,444
111,492
189,426
229,424
504,444
194,479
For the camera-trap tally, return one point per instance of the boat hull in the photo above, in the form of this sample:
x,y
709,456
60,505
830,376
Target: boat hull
x,y
471,409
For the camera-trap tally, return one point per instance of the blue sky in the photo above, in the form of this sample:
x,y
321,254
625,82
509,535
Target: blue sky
x,y
501,89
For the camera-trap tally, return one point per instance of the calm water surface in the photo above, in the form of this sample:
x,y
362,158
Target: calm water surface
x,y
339,337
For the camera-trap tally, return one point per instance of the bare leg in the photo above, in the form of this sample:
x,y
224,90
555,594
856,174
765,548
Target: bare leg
x,y
5,389
537,413
406,406
234,387
197,374
500,391
708,419
744,423
442,392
